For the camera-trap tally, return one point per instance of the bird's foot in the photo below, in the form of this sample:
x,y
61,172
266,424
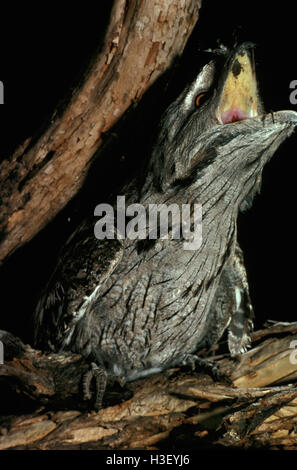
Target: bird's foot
x,y
100,377
210,367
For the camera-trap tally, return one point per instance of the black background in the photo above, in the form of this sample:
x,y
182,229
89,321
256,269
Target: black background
x,y
43,53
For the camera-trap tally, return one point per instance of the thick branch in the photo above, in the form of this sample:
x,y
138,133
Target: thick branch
x,y
173,408
142,39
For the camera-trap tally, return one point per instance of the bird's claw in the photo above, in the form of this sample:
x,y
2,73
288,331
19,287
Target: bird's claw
x,y
100,377
211,367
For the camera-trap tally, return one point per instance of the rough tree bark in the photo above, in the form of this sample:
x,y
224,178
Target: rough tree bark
x,y
176,408
142,39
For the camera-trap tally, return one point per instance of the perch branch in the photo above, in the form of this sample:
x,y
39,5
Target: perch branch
x,y
185,408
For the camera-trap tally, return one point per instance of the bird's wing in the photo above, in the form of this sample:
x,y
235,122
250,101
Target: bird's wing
x,y
83,267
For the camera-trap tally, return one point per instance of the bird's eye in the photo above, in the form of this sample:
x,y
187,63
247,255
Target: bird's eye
x,y
199,99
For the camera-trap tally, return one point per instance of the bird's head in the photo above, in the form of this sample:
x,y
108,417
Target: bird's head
x,y
217,129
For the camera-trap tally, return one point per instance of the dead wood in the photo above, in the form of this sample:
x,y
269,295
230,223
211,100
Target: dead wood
x,y
177,407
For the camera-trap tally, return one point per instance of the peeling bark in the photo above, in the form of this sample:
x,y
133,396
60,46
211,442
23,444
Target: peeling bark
x,y
176,408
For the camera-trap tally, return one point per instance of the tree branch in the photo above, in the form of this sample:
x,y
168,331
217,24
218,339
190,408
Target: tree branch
x,y
178,407
143,38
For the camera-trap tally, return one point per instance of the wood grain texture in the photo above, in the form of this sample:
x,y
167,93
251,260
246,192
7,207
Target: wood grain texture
x,y
142,39
176,408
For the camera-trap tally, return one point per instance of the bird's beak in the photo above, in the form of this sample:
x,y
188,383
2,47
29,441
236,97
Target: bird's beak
x,y
239,98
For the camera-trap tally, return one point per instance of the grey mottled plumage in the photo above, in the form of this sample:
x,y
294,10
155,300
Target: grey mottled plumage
x,y
135,307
